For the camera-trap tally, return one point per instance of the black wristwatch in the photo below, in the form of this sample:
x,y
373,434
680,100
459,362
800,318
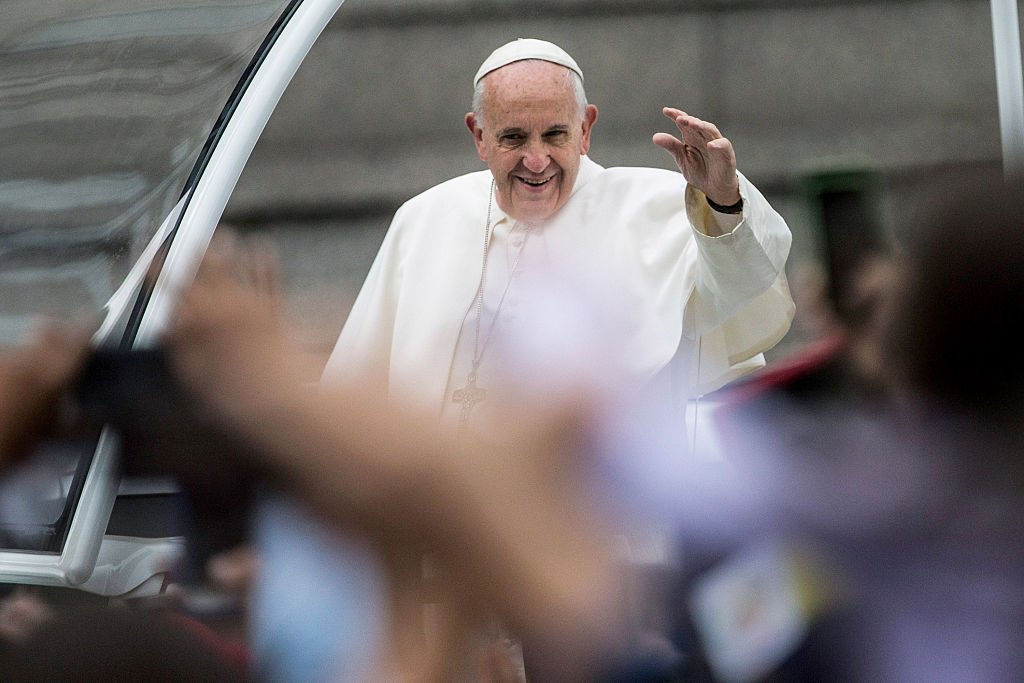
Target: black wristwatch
x,y
732,208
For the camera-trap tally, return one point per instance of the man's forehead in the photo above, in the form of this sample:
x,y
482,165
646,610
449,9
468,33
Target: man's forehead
x,y
529,95
529,103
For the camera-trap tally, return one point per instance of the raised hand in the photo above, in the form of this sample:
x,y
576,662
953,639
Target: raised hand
x,y
228,342
705,158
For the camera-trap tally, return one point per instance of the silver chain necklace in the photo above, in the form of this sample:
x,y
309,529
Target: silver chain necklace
x,y
472,394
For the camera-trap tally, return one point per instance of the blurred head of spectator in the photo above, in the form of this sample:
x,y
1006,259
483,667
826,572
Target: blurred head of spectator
x,y
949,334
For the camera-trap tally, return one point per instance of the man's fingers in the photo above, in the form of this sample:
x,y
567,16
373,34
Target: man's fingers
x,y
669,143
695,131
706,129
672,112
685,123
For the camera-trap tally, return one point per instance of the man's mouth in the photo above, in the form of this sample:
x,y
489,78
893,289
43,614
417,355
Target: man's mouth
x,y
534,182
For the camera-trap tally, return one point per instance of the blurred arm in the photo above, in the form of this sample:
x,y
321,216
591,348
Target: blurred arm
x,y
505,513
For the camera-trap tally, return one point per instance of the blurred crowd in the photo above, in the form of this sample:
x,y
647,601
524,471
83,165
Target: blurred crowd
x,y
859,523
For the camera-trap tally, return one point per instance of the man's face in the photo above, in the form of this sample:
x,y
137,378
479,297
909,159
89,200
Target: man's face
x,y
531,134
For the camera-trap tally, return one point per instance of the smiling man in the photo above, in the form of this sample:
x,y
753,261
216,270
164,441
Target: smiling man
x,y
474,298
696,256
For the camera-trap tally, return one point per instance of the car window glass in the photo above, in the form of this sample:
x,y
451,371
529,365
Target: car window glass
x,y
104,108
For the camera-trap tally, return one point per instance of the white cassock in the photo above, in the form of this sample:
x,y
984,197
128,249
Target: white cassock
x,y
702,308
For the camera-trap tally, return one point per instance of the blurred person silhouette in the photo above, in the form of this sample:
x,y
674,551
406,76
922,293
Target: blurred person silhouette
x,y
878,539
504,509
45,637
771,419
839,302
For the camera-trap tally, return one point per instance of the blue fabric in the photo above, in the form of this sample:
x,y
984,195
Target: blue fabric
x,y
318,602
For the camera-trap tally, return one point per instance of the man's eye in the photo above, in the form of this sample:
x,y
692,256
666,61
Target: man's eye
x,y
512,138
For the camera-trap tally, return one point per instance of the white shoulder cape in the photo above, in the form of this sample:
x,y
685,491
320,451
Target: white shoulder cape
x,y
708,305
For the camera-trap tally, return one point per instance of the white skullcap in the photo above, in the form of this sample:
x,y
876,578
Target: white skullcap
x,y
526,48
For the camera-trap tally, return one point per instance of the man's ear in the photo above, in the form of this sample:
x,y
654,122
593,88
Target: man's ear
x,y
589,119
478,134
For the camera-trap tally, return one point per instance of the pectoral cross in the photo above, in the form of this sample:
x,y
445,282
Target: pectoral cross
x,y
468,396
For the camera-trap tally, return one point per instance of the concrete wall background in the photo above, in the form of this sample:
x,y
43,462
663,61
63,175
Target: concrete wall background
x,y
375,114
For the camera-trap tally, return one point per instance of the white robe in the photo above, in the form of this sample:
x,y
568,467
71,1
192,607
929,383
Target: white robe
x,y
641,229
644,228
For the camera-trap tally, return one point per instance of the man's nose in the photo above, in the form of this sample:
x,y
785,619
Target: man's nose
x,y
536,157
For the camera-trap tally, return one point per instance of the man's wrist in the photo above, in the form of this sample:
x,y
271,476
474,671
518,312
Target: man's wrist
x,y
729,209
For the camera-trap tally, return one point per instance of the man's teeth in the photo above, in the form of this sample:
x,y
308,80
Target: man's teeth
x,y
535,183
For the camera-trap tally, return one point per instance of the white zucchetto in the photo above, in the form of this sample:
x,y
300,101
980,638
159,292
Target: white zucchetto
x,y
526,48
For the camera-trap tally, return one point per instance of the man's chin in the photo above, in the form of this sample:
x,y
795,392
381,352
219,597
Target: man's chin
x,y
533,209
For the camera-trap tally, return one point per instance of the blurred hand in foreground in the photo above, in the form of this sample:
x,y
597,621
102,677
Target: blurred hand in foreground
x,y
33,376
229,344
505,512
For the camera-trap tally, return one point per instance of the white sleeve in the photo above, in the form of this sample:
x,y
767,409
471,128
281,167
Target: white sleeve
x,y
740,305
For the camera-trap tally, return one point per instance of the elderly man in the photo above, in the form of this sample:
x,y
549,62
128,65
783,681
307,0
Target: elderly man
x,y
697,258
694,259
